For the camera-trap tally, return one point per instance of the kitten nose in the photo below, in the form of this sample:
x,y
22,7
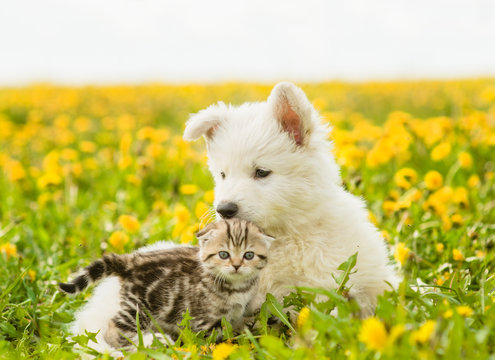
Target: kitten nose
x,y
227,209
236,267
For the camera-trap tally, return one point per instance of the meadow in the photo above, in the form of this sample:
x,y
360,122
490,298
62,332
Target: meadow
x,y
89,170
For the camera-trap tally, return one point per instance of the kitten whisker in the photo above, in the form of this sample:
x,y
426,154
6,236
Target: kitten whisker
x,y
207,217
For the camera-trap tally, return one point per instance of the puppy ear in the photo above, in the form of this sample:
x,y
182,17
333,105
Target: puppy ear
x,y
204,234
205,122
293,111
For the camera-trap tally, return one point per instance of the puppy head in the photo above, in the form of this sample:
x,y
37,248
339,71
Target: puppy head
x,y
266,158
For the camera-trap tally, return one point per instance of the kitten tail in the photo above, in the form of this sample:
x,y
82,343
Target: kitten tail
x,y
109,265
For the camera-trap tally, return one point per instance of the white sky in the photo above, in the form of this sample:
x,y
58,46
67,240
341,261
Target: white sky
x,y
134,41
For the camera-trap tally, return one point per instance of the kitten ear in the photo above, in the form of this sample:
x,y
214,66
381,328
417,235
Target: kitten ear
x,y
267,239
203,234
205,122
292,109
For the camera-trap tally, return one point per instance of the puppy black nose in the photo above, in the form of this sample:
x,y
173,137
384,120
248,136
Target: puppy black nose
x,y
227,209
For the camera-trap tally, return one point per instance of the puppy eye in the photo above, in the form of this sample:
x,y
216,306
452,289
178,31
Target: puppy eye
x,y
249,255
223,255
261,173
222,174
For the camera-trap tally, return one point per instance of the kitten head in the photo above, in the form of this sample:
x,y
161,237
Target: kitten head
x,y
234,249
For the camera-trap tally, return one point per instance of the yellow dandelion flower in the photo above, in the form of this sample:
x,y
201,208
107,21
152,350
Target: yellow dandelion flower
x,y
448,314
125,161
118,239
154,150
187,235
62,121
457,255
10,250
389,207
146,133
222,351
15,171
394,194
133,179
48,179
386,235
350,156
82,124
87,147
4,159
433,180
44,198
125,144
161,135
405,177
181,213
446,223
69,154
209,196
76,169
461,196
445,194
201,210
439,281
414,195
457,219
320,103
188,189
372,218
51,162
395,332
439,247
424,333
90,164
405,204
473,181
32,274
373,334
160,206
465,160
303,317
464,310
402,253
129,223
441,151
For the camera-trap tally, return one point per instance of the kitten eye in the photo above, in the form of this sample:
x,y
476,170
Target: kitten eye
x,y
261,173
223,255
222,174
249,255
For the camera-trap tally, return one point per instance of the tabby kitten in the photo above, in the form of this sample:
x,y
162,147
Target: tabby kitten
x,y
216,280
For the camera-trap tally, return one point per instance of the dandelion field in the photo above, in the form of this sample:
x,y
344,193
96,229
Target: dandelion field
x,y
90,170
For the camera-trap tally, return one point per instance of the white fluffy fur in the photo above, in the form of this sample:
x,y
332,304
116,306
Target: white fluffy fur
x,y
316,223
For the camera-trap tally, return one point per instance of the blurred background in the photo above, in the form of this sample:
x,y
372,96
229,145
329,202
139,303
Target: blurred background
x,y
140,41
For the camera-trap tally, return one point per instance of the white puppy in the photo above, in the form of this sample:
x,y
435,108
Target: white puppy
x,y
273,165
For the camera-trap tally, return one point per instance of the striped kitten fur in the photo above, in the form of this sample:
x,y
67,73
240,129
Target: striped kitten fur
x,y
215,280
